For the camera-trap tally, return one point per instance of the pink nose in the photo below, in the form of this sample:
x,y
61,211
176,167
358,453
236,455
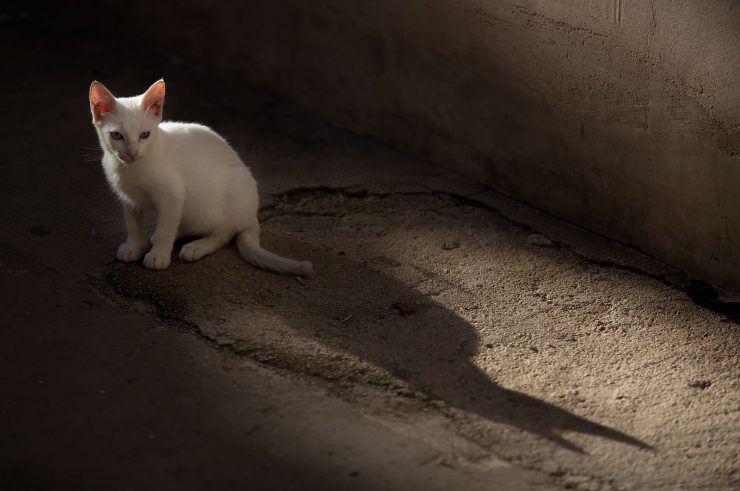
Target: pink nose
x,y
132,154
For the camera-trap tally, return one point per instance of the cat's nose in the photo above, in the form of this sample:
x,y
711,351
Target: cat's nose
x,y
132,154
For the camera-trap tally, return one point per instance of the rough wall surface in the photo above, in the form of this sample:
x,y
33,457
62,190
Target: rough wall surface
x,y
622,116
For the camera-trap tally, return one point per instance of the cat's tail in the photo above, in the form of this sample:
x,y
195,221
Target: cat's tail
x,y
248,243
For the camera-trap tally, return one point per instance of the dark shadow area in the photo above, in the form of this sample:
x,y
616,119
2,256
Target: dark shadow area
x,y
95,396
392,325
704,294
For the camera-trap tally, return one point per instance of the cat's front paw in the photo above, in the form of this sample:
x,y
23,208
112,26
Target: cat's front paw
x,y
156,260
129,252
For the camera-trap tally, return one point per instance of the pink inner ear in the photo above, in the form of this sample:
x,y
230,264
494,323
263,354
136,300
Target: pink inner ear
x,y
153,99
101,101
155,109
101,109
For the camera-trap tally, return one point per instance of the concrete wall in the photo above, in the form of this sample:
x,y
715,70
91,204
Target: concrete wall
x,y
620,115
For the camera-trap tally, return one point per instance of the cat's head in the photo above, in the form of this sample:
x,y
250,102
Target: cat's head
x,y
127,126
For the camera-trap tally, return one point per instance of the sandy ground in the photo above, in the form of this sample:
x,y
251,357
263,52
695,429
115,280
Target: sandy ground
x,y
442,344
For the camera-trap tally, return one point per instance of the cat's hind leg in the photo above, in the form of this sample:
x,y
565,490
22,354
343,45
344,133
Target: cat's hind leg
x,y
199,248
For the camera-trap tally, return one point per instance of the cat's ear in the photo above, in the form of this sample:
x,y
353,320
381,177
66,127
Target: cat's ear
x,y
153,100
102,101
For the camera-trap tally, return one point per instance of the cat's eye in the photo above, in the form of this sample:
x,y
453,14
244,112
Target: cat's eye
x,y
116,135
144,135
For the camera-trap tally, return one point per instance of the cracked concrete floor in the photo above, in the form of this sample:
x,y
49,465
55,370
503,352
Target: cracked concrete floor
x,y
437,347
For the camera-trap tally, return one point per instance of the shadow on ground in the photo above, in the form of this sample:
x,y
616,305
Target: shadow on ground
x,y
362,303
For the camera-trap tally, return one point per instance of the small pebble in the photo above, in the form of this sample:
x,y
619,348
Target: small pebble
x,y
700,384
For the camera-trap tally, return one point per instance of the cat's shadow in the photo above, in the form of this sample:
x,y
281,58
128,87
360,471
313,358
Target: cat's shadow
x,y
354,308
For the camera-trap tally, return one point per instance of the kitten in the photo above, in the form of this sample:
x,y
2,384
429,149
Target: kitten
x,y
184,172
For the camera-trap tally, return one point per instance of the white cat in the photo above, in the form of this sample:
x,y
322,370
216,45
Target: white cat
x,y
185,173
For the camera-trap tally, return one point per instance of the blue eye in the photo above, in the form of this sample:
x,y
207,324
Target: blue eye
x,y
116,135
144,135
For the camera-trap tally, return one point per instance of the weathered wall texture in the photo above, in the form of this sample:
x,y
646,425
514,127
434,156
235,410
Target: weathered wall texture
x,y
620,115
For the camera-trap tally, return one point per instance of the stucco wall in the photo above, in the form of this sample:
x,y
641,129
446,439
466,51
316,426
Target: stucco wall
x,y
622,116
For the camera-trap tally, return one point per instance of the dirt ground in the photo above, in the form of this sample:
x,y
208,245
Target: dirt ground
x,y
444,342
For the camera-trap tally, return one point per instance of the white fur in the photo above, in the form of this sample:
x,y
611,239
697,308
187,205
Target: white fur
x,y
189,176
